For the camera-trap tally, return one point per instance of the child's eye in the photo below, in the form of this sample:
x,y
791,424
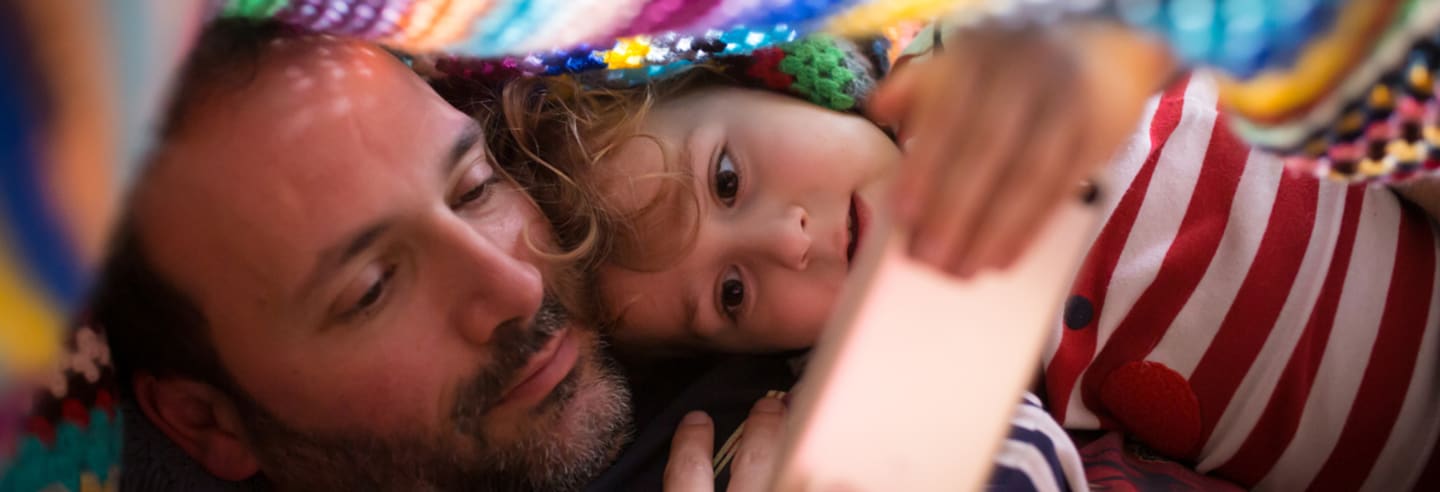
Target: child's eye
x,y
731,294
476,183
727,179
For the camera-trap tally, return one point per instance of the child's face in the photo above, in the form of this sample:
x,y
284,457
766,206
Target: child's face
x,y
782,188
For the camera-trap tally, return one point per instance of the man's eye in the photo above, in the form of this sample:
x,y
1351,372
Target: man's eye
x,y
727,179
476,184
732,294
475,193
374,291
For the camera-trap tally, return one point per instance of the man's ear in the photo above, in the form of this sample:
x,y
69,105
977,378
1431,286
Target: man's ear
x,y
201,419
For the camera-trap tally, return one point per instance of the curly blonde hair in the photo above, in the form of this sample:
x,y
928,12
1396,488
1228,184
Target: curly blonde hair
x,y
550,135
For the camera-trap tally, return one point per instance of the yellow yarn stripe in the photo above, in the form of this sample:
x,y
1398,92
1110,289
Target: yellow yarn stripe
x,y
452,25
1276,95
30,323
876,15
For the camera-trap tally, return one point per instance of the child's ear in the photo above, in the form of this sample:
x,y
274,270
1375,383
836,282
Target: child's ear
x,y
202,420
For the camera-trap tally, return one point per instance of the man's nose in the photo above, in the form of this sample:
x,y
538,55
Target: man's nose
x,y
785,238
493,284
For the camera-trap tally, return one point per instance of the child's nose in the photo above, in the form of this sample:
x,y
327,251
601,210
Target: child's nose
x,y
787,239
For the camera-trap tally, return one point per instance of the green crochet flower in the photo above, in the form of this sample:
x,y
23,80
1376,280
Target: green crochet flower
x,y
821,72
259,9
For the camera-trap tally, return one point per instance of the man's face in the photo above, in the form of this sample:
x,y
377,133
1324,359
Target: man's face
x,y
369,284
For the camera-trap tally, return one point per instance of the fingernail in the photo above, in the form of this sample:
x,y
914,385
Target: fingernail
x,y
695,418
769,404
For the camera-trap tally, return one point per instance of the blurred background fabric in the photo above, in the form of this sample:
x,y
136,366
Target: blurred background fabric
x,y
1347,88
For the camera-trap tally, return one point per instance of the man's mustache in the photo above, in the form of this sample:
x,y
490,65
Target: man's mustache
x,y
515,342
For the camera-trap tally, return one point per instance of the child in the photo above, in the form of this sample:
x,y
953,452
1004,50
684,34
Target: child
x,y
1246,263
733,213
773,197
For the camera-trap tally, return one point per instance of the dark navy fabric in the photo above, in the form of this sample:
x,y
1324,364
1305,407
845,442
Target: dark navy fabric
x,y
725,389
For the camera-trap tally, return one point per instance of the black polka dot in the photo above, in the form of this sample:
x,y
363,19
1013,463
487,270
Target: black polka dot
x,y
1090,193
1078,312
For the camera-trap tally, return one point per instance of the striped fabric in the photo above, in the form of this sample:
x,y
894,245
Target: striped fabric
x,y
1274,329
1037,454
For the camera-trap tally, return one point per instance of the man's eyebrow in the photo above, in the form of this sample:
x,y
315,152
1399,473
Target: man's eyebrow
x,y
335,256
466,140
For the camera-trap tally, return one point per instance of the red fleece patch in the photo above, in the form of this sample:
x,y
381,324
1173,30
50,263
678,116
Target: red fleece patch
x,y
1155,405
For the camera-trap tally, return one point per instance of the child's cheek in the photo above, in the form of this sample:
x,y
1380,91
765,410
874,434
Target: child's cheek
x,y
799,325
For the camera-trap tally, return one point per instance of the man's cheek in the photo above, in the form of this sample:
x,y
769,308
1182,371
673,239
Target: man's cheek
x,y
401,395
394,381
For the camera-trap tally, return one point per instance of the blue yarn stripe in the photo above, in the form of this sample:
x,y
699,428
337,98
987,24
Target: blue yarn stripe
x,y
483,42
797,13
34,229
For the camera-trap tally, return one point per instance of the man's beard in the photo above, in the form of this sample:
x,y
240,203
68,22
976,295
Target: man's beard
x,y
550,454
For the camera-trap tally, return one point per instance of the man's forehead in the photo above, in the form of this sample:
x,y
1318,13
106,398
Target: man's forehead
x,y
304,84
321,114
265,176
296,70
249,226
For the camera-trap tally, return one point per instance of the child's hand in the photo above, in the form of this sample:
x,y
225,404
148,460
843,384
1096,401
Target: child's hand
x,y
1006,124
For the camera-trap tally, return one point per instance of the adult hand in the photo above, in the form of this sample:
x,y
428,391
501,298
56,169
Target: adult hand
x,y
690,468
1006,123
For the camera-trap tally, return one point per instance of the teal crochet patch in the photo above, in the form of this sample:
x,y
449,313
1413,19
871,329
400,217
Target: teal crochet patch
x,y
821,72
94,450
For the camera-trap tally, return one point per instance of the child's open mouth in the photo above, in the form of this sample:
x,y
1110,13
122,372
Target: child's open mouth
x,y
859,217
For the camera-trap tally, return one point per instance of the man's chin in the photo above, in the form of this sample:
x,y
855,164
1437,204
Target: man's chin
x,y
569,437
555,445
598,409
585,418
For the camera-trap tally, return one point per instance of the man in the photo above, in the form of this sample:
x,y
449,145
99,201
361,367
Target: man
x,y
323,283
323,280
